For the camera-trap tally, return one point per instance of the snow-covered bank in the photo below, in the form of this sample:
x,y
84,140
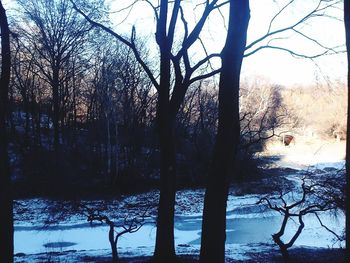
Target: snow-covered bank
x,y
249,225
245,225
305,153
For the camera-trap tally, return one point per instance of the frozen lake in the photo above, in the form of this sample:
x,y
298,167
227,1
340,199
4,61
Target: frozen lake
x,y
247,224
242,229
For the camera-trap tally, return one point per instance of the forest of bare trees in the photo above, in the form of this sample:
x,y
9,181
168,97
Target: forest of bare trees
x,y
88,109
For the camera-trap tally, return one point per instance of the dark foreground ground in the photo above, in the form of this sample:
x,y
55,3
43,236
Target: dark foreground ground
x,y
297,255
302,255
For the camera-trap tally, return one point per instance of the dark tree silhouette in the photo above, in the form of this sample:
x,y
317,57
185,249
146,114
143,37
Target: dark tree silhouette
x,y
316,197
6,218
347,33
176,74
56,35
130,225
173,75
227,139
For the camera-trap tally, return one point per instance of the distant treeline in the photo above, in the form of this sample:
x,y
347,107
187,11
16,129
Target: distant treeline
x,y
83,110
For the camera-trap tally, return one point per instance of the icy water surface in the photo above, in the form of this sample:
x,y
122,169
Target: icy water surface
x,y
247,223
241,229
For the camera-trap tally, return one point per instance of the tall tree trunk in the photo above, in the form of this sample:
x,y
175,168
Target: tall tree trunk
x,y
165,247
6,217
347,32
227,139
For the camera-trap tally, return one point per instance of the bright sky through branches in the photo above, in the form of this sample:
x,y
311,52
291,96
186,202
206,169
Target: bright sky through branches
x,y
280,66
276,65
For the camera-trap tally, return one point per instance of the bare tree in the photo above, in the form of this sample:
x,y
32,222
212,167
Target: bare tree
x,y
106,85
29,87
56,35
130,225
227,140
176,71
262,112
119,99
228,135
6,202
176,74
314,199
122,216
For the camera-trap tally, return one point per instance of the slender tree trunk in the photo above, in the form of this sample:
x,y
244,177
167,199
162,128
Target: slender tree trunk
x,y
11,110
116,177
165,247
27,122
109,149
38,126
74,125
285,253
6,217
34,120
113,242
227,139
56,105
347,32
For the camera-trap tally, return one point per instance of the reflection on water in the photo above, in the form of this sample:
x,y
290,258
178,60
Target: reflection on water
x,y
59,244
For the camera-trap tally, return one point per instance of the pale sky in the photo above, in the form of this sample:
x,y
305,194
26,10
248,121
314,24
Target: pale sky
x,y
280,66
277,66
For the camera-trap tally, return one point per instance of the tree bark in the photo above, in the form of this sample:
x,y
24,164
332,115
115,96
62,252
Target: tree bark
x,y
6,218
165,245
347,33
227,139
167,108
113,242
